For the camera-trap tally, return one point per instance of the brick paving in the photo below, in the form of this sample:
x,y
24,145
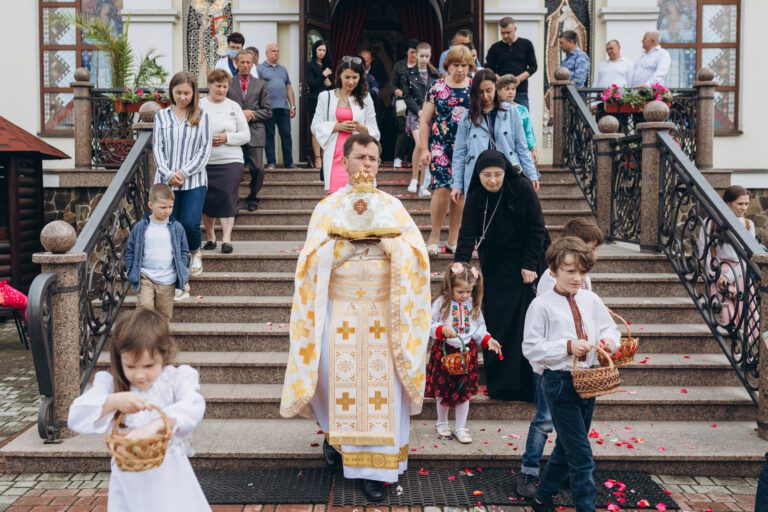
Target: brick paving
x,y
87,492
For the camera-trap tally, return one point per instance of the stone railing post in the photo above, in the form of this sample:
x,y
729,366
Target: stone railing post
x,y
656,114
146,123
562,79
609,127
761,260
81,88
58,237
705,117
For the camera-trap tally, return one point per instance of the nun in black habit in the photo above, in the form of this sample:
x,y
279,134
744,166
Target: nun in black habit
x,y
503,220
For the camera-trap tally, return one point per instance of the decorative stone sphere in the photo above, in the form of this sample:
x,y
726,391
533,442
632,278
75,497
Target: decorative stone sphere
x,y
148,110
608,124
82,75
656,112
705,75
58,237
562,73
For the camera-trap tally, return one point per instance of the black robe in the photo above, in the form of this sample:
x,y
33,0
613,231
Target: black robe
x,y
513,241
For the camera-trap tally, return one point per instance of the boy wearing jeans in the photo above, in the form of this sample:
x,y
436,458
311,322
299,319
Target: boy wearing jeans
x,y
541,425
565,323
157,256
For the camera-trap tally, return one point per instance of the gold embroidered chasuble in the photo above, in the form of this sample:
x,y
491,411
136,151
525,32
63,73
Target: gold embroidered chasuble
x,y
379,322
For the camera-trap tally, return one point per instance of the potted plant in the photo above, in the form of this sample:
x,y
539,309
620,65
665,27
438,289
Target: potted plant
x,y
632,100
130,100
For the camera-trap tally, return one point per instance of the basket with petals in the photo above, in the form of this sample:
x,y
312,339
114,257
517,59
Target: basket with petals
x,y
456,363
139,454
597,381
628,348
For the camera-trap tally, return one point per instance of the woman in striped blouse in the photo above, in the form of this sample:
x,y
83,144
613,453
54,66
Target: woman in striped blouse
x,y
182,144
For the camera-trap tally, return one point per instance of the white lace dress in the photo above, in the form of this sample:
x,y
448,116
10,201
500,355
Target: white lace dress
x,y
173,486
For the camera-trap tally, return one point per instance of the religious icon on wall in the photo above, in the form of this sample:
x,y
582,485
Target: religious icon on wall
x,y
207,24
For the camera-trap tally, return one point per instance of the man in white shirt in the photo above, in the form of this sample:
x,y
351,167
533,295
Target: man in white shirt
x,y
235,43
653,65
615,70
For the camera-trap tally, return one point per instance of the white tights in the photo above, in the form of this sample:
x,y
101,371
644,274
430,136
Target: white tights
x,y
462,412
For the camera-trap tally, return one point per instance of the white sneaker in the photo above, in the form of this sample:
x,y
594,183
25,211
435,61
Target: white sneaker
x,y
181,294
413,186
397,163
423,192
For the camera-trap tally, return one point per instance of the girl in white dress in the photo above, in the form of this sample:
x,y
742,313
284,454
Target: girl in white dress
x,y
141,375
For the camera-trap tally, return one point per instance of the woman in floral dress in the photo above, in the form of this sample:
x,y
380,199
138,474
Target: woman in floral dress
x,y
446,101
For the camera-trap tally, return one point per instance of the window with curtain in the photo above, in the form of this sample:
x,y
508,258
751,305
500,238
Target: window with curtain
x,y
62,50
705,33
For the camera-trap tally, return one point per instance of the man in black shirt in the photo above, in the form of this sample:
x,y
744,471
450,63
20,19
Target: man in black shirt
x,y
513,55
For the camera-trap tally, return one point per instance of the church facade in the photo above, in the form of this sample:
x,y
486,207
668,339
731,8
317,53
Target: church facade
x,y
43,51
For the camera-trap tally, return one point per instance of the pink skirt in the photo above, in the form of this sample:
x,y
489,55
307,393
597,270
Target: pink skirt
x,y
339,176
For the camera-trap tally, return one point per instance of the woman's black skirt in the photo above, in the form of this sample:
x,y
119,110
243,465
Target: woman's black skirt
x,y
221,199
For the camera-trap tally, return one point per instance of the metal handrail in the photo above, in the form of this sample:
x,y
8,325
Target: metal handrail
x,y
579,148
40,322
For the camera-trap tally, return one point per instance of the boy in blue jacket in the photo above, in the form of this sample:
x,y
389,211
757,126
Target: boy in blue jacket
x,y
157,257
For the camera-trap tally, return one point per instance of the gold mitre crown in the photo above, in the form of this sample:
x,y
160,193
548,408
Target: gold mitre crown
x,y
364,212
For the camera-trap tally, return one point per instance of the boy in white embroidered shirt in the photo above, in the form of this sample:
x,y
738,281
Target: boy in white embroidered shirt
x,y
541,424
564,323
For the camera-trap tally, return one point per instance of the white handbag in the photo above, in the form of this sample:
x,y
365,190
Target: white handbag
x,y
400,107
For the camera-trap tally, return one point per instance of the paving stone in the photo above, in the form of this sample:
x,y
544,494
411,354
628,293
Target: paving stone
x,y
669,479
749,491
16,491
83,476
52,485
710,489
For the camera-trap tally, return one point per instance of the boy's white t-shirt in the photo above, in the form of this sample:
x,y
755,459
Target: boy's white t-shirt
x,y
547,283
157,260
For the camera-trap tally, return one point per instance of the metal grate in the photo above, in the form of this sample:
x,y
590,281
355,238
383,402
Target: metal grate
x,y
310,485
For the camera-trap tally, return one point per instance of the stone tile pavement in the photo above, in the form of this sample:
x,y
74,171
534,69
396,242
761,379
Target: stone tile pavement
x,y
87,492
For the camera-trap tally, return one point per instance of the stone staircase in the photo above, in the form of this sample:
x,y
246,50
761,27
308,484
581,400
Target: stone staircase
x,y
681,406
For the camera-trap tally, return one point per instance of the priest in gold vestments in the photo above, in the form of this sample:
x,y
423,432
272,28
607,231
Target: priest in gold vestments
x,y
360,324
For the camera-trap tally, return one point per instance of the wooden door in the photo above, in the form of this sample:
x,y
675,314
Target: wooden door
x,y
316,16
464,15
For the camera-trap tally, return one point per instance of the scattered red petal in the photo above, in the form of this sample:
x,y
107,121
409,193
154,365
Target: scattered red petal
x,y
479,470
560,508
686,357
714,425
643,503
609,484
452,478
662,449
423,471
661,507
477,493
612,507
501,357
436,446
413,449
621,500
683,390
594,434
667,491
627,428
201,297
314,445
320,432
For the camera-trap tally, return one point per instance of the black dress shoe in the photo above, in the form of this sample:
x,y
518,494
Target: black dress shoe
x,y
252,205
209,245
226,248
373,490
538,506
331,456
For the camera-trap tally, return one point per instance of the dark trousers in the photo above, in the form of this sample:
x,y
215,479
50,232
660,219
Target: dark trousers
x,y
282,118
761,499
538,431
188,209
522,99
254,162
401,142
572,456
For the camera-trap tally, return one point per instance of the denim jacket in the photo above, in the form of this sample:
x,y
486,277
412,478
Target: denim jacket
x,y
135,252
472,140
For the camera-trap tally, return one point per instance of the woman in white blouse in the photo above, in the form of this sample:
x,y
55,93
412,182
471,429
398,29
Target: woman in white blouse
x,y
341,112
225,165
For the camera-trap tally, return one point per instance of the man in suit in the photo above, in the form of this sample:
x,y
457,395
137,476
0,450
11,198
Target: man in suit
x,y
252,94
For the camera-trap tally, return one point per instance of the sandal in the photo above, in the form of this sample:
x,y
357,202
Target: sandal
x,y
209,245
226,248
443,429
462,434
196,264
433,249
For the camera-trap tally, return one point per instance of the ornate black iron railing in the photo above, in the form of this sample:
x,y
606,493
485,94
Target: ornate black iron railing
x,y
711,252
626,187
102,278
112,136
682,112
579,148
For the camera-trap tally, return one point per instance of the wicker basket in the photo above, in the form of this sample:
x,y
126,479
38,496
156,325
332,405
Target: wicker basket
x,y
628,348
592,382
139,454
456,363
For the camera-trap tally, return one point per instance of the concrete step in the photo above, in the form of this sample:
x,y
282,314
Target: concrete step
x,y
298,201
686,339
277,309
669,447
548,175
420,216
281,283
269,368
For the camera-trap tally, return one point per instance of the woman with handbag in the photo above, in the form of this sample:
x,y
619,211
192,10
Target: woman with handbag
x,y
319,76
345,110
452,370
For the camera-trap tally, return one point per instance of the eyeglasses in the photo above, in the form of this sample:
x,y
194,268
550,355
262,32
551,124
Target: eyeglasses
x,y
354,60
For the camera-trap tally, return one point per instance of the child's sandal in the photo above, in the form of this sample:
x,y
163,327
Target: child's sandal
x,y
443,429
462,434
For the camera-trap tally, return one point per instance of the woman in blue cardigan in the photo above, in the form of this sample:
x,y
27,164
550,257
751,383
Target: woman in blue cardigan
x,y
489,124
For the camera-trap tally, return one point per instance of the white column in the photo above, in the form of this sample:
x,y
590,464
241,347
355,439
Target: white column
x,y
152,26
626,21
529,17
274,21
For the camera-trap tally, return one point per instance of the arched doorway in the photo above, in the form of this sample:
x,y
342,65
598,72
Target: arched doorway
x,y
383,27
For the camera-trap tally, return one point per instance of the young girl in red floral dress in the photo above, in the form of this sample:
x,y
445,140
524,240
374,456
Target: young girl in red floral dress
x,y
457,313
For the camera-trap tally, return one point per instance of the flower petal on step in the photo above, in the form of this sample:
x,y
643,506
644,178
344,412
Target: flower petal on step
x,y
313,445
661,507
683,390
643,503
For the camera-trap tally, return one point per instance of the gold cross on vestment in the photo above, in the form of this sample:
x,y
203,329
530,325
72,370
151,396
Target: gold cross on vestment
x,y
308,353
360,206
360,293
377,330
377,400
345,330
345,401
